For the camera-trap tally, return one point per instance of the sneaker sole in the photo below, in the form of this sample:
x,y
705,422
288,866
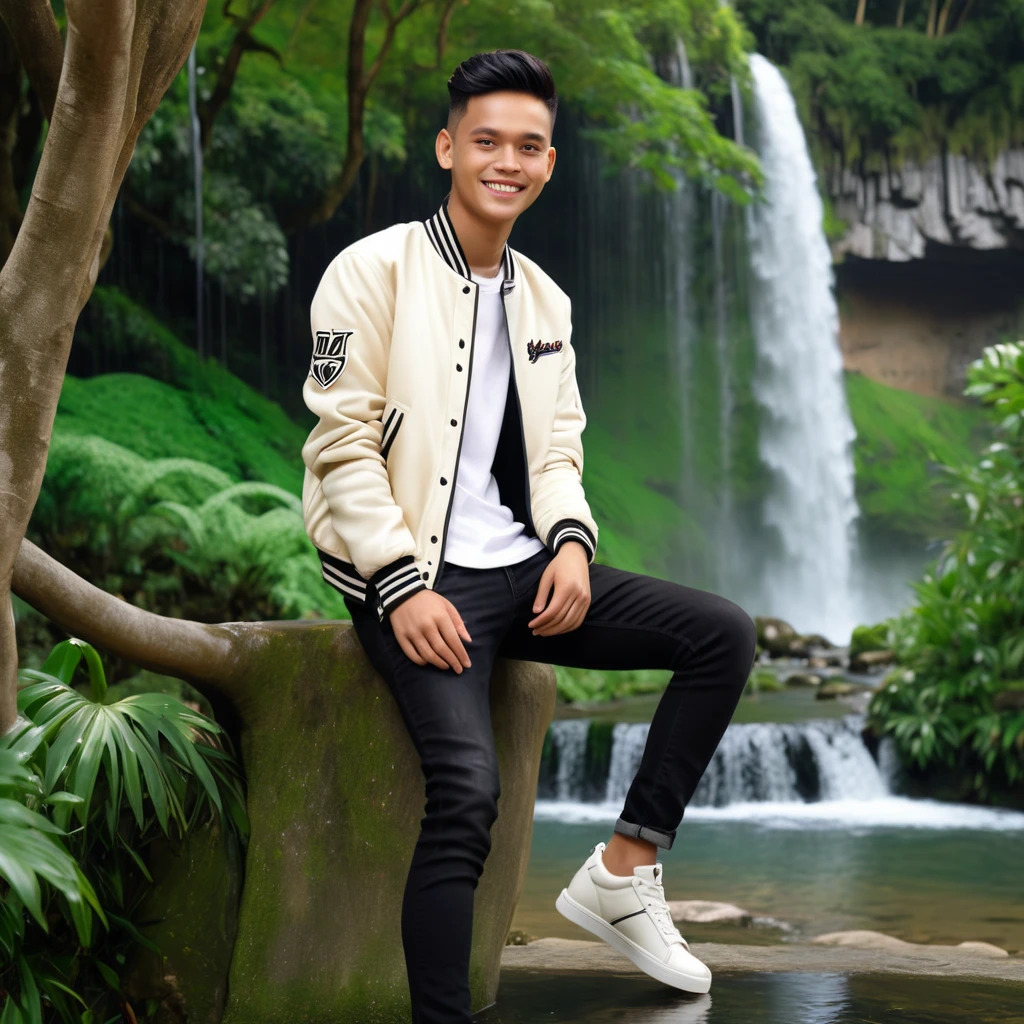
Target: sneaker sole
x,y
573,911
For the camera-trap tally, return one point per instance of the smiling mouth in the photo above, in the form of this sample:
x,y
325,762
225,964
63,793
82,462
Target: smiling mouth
x,y
503,190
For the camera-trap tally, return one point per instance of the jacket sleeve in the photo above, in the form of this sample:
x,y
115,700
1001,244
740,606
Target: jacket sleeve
x,y
351,318
563,512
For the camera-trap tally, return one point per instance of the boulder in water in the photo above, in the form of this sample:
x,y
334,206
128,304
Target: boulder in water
x,y
708,912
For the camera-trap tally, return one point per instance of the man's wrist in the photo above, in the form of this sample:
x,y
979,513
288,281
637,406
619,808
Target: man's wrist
x,y
566,530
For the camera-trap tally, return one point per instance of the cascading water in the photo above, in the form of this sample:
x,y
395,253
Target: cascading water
x,y
197,182
777,773
807,434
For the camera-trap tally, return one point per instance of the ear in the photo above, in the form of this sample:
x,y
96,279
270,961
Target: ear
x,y
551,162
443,148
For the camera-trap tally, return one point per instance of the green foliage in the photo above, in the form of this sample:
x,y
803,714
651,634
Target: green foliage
x,y
902,438
876,92
180,407
129,771
579,685
869,638
962,644
177,536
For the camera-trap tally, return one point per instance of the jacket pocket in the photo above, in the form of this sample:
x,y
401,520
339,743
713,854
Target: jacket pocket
x,y
394,416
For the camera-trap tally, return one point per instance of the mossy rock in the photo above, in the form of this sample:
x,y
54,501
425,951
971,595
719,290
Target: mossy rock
x,y
335,799
869,638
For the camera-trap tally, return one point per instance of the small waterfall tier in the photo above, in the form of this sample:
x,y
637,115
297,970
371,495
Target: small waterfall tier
x,y
593,762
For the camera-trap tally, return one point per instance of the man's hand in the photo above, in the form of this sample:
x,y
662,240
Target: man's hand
x,y
569,573
428,628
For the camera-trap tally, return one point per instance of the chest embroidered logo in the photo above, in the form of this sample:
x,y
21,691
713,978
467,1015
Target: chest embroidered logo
x,y
538,348
330,354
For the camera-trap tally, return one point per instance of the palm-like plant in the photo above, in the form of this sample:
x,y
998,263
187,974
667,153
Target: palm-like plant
x,y
127,771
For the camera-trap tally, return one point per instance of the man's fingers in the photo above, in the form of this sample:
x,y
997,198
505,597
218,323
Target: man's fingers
x,y
427,652
543,587
410,652
558,624
453,614
553,612
442,650
451,638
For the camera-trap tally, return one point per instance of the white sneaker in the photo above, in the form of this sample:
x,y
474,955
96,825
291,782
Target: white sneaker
x,y
631,915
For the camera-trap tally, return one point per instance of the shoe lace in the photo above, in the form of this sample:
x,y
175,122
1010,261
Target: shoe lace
x,y
653,895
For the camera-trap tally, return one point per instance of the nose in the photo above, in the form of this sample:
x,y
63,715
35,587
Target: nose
x,y
507,158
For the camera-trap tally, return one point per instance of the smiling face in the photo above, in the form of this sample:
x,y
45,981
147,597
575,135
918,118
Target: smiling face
x,y
500,154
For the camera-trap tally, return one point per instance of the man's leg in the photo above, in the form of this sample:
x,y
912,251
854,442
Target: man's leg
x,y
448,718
635,622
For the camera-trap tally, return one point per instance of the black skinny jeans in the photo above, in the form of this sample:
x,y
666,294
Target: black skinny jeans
x,y
633,622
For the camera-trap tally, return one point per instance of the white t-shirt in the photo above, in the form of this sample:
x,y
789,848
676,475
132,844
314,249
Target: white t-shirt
x,y
482,532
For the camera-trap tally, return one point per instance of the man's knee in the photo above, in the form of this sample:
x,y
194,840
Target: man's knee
x,y
739,635
464,793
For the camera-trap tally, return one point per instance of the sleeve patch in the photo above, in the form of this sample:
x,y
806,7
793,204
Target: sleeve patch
x,y
330,354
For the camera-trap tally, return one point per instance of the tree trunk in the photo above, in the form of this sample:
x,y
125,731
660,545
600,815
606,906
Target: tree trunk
x,y
119,59
943,19
900,12
861,7
932,9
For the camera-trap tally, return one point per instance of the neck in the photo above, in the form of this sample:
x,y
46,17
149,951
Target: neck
x,y
482,241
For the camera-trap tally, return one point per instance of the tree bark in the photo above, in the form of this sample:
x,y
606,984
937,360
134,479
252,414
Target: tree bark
x,y
900,13
119,59
932,10
861,8
194,651
943,18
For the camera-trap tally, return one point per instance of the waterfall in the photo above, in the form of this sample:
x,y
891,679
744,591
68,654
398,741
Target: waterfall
x,y
773,772
821,759
807,433
197,183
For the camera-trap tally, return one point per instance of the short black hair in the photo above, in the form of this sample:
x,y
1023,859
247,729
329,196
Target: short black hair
x,y
497,70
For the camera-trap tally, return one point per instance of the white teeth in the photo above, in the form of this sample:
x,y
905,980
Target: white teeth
x,y
503,188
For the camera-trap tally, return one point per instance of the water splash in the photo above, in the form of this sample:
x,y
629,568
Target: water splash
x,y
807,433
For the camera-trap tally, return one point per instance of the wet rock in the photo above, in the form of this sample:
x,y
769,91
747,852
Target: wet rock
x,y
865,661
864,938
775,635
803,679
985,948
708,912
834,688
566,955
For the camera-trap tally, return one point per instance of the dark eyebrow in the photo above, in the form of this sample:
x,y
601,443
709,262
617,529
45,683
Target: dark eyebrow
x,y
532,136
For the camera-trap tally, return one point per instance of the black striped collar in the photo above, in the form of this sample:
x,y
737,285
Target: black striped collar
x,y
441,233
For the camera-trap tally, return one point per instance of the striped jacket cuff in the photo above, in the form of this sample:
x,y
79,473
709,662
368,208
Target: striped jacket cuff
x,y
395,582
571,529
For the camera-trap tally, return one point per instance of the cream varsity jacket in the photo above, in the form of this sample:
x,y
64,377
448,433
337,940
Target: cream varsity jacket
x,y
393,323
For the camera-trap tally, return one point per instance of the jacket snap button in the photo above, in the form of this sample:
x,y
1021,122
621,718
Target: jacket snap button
x,y
426,575
458,366
466,289
455,423
462,343
443,481
433,540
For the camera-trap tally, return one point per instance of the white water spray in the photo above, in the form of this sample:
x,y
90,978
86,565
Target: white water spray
x,y
807,433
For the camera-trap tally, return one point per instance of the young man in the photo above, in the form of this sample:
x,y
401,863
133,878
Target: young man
x,y
444,493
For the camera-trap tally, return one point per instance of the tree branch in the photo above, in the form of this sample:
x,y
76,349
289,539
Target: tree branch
x,y
442,35
193,651
242,43
40,47
359,82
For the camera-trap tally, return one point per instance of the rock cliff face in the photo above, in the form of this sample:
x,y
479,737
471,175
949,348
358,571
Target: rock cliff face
x,y
931,268
901,213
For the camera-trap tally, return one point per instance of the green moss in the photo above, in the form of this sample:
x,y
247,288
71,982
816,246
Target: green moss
x,y
900,438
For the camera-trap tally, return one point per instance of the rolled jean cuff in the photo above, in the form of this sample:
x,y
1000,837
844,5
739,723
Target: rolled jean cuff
x,y
652,835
